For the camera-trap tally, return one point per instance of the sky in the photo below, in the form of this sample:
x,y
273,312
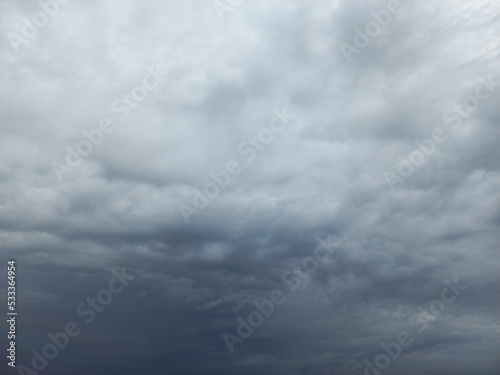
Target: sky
x,y
251,187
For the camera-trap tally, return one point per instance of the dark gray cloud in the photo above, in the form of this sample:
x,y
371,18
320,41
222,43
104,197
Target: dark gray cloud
x,y
325,174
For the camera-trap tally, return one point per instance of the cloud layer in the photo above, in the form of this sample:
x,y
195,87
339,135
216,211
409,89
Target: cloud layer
x,y
329,172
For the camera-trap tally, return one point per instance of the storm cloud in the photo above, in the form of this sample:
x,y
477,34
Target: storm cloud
x,y
325,172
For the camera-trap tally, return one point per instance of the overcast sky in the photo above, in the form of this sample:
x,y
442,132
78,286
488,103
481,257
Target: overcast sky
x,y
383,147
